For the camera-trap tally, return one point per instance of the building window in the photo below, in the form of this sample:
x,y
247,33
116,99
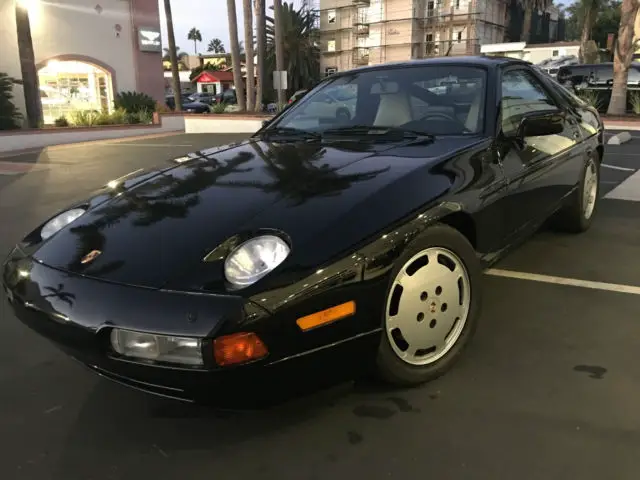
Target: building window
x,y
331,16
69,86
331,46
459,37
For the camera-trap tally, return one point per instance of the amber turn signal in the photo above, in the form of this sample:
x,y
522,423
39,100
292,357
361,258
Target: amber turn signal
x,y
238,348
327,316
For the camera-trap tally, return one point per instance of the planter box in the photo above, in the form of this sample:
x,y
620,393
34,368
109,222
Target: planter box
x,y
224,123
27,139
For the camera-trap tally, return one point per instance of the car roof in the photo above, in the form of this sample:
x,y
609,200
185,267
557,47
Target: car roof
x,y
489,61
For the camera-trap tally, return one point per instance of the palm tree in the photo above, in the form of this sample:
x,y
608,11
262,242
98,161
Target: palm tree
x,y
173,56
182,58
194,35
529,6
261,26
301,52
588,10
29,81
216,46
248,58
623,56
235,54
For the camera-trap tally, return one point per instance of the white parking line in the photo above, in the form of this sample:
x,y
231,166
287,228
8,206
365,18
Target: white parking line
x,y
624,169
571,282
629,189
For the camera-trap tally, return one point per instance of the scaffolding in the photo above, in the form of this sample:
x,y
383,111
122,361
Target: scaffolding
x,y
365,29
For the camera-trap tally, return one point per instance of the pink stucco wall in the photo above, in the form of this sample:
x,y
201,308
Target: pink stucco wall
x,y
148,65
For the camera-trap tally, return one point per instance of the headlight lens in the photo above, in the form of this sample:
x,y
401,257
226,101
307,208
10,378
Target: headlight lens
x,y
161,348
57,223
254,259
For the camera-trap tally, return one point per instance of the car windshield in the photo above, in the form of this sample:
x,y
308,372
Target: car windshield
x,y
428,99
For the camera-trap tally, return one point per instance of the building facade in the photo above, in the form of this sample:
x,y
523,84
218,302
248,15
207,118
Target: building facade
x,y
365,32
86,51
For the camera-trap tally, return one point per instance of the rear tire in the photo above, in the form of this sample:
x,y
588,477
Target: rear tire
x,y
577,215
432,308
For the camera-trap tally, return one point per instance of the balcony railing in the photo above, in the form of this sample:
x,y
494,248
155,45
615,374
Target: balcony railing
x,y
361,56
361,29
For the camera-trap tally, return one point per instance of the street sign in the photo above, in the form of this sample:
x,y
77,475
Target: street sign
x,y
280,79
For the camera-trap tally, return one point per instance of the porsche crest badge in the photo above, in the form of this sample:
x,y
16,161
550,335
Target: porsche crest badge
x,y
90,257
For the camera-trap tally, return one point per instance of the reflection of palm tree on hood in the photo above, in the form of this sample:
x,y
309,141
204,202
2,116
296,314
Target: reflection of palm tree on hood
x,y
297,178
169,197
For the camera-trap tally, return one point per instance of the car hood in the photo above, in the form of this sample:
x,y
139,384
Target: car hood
x,y
162,228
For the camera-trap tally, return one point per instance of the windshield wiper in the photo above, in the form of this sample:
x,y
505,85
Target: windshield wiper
x,y
290,132
380,132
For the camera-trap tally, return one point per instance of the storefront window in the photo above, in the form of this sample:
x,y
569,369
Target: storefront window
x,y
68,86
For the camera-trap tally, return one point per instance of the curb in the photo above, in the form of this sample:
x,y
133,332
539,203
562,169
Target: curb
x,y
61,146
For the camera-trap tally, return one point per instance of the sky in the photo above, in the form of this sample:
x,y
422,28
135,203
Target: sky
x,y
208,16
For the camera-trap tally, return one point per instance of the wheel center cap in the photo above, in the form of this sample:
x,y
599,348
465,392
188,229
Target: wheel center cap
x,y
433,306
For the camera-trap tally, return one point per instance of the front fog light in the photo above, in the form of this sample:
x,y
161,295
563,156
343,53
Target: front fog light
x,y
160,348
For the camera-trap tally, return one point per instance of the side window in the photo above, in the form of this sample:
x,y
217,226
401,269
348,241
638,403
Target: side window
x,y
521,93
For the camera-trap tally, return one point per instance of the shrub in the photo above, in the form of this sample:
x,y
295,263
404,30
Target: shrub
x,y
133,102
219,108
634,100
84,118
10,117
162,108
142,116
61,121
592,98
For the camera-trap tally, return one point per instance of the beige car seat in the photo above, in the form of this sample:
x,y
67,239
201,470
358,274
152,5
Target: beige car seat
x,y
394,110
475,113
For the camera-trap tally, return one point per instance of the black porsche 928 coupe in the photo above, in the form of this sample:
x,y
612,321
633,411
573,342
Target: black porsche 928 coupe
x,y
325,243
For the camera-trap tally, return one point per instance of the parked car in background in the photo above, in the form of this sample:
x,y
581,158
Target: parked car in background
x,y
187,105
202,97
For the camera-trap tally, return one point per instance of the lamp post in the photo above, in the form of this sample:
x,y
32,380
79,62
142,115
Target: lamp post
x,y
30,82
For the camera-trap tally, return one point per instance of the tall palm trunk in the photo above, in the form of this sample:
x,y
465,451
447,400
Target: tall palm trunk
x,y
623,55
235,54
261,32
278,31
173,57
248,53
526,23
30,81
586,33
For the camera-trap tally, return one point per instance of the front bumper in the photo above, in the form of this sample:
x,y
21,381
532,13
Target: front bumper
x,y
77,313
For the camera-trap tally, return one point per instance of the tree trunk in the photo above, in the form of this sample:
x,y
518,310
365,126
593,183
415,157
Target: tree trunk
x,y
526,24
623,55
30,82
235,54
586,33
261,32
277,25
248,47
173,57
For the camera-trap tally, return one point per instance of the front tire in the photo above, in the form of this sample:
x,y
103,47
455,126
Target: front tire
x,y
577,215
432,307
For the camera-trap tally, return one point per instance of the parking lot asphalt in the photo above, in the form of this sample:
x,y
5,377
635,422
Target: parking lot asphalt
x,y
547,390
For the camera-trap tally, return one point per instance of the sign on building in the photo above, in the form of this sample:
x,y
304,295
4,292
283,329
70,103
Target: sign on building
x,y
149,39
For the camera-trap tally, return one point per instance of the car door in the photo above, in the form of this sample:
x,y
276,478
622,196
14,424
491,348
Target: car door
x,y
540,171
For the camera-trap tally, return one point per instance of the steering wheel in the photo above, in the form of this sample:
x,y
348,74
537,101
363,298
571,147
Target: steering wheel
x,y
442,115
439,115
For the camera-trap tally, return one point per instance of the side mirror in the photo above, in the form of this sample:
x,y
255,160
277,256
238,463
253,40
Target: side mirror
x,y
539,124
